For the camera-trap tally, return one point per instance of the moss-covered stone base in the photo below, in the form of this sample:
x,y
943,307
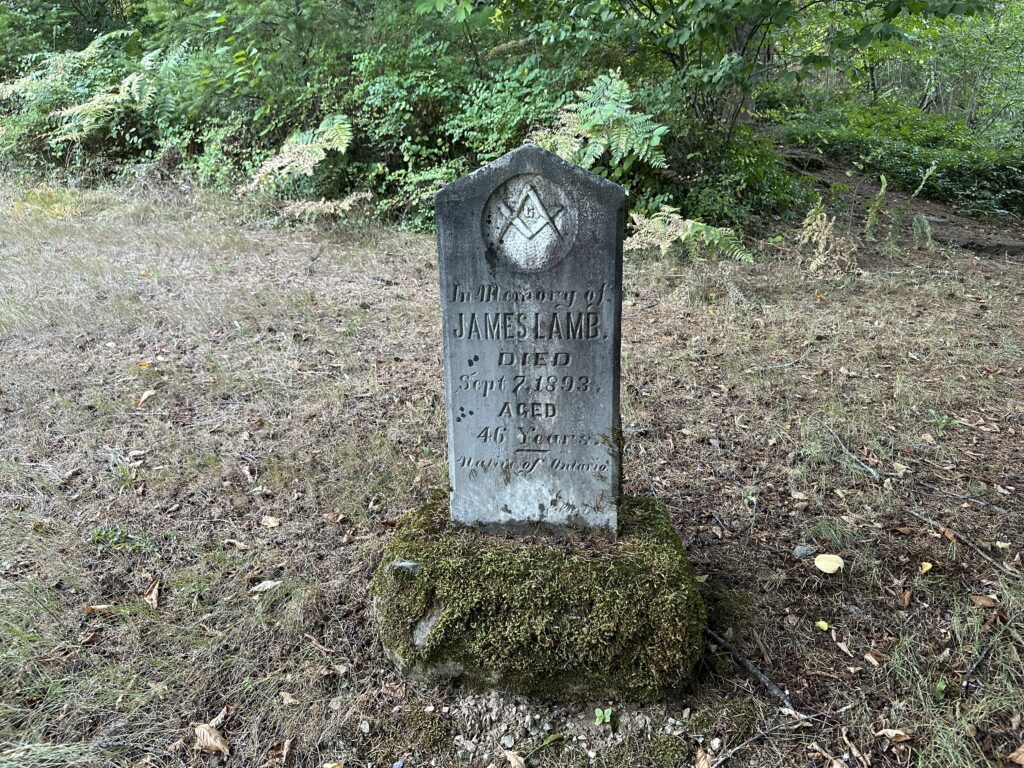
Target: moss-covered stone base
x,y
582,616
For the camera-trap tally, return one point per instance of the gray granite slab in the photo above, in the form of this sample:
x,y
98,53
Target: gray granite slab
x,y
530,254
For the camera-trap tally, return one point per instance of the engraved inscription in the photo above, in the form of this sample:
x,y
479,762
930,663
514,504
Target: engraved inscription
x,y
527,223
531,297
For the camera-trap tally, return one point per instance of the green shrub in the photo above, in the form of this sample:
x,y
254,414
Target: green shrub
x,y
903,142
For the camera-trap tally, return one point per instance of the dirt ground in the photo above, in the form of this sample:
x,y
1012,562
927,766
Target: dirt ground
x,y
210,426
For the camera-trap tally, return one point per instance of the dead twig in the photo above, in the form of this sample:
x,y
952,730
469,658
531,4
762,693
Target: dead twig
x,y
726,756
752,669
969,675
803,722
943,529
979,502
790,364
872,472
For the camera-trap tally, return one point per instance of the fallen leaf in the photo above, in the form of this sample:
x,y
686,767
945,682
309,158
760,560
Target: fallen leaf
x,y
895,735
927,438
1017,756
900,469
241,546
907,594
925,567
210,740
828,563
985,601
703,759
152,595
269,521
218,721
514,759
98,608
146,364
845,733
287,699
874,658
264,586
144,397
280,753
822,625
88,638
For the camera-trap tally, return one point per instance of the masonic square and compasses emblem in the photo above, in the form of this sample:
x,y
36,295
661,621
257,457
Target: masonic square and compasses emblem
x,y
528,223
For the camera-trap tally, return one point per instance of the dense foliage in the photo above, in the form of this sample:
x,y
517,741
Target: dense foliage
x,y
318,99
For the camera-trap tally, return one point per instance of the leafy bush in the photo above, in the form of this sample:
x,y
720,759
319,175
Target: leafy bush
x,y
735,185
71,98
651,95
903,143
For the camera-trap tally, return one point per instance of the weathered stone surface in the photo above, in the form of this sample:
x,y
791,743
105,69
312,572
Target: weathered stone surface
x,y
584,616
530,252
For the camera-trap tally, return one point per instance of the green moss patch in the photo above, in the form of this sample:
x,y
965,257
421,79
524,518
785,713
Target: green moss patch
x,y
575,617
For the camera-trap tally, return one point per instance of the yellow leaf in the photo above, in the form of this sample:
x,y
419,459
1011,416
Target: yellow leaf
x,y
146,364
822,625
829,563
210,740
925,567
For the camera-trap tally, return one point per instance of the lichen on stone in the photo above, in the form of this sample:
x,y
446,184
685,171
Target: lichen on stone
x,y
578,616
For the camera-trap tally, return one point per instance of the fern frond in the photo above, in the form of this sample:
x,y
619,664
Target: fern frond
x,y
602,122
666,229
303,152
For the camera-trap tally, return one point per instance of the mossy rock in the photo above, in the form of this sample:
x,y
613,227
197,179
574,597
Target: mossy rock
x,y
577,617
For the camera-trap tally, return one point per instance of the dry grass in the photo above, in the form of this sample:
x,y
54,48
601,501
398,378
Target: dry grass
x,y
296,374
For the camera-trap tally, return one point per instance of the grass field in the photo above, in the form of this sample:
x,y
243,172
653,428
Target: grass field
x,y
237,413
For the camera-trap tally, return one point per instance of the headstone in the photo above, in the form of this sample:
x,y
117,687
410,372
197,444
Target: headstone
x,y
530,254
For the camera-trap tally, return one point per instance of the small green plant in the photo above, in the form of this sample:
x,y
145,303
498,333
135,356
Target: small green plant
x,y
125,475
921,226
118,539
875,209
602,716
923,233
941,421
